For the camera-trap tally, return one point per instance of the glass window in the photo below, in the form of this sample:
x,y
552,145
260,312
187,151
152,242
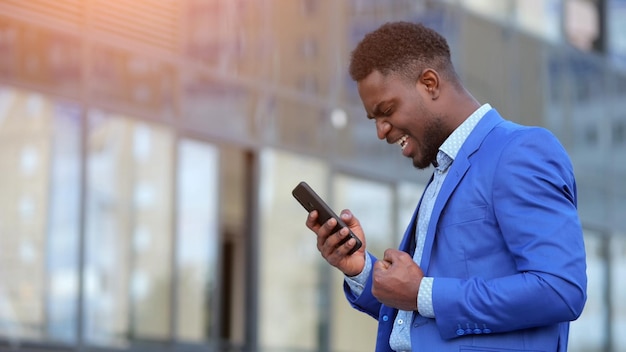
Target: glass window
x,y
498,10
289,301
618,133
128,230
309,7
581,23
197,239
588,332
39,209
25,135
299,126
236,232
64,212
217,107
308,84
618,285
590,112
141,81
229,35
356,144
616,27
372,203
408,195
540,17
308,48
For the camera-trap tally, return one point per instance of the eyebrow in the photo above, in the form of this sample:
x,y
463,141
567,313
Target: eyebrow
x,y
375,111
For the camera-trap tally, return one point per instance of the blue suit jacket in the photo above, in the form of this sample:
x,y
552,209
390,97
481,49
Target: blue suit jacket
x,y
504,245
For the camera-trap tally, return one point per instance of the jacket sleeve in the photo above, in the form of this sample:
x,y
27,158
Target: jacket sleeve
x,y
365,302
534,202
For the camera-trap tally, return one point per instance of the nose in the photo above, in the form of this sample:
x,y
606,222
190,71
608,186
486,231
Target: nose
x,y
382,128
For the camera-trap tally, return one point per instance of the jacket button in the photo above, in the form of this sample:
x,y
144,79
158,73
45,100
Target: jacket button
x,y
460,332
487,331
477,331
385,318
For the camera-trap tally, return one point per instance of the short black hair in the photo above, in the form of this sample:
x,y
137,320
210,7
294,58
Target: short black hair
x,y
403,48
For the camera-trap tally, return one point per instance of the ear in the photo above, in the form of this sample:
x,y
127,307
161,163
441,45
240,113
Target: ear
x,y
429,80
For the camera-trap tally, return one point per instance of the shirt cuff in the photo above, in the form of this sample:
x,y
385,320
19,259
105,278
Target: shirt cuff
x,y
425,298
357,283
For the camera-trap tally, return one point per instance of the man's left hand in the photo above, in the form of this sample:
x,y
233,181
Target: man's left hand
x,y
396,280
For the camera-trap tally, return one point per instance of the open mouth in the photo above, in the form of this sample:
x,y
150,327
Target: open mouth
x,y
402,142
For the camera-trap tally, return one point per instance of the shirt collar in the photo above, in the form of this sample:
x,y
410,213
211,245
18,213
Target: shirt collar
x,y
451,146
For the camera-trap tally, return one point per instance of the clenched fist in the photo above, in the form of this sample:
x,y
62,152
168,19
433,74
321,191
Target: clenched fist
x,y
396,280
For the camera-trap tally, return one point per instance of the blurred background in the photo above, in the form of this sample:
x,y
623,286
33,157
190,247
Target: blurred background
x,y
148,149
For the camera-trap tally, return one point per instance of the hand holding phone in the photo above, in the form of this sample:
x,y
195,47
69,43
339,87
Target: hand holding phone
x,y
305,195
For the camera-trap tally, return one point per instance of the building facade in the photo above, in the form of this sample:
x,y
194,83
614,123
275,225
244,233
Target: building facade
x,y
148,150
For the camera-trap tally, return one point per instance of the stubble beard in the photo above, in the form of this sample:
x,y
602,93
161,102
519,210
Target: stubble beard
x,y
434,136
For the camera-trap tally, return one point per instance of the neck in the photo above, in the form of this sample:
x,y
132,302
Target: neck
x,y
462,104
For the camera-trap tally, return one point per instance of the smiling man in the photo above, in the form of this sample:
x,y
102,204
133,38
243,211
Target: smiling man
x,y
493,258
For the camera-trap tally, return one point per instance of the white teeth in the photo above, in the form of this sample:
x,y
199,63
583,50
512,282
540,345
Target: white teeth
x,y
402,142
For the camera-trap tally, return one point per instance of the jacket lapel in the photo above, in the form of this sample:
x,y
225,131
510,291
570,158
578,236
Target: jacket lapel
x,y
455,174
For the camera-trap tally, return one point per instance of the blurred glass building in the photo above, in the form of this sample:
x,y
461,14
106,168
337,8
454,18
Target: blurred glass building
x,y
148,149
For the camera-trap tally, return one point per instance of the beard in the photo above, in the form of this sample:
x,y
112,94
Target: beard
x,y
435,134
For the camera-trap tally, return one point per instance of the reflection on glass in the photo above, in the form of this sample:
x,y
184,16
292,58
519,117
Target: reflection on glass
x,y
38,217
128,230
587,333
301,126
63,235
497,10
288,279
218,107
618,285
24,130
616,26
357,144
229,35
409,195
197,238
139,80
540,17
372,203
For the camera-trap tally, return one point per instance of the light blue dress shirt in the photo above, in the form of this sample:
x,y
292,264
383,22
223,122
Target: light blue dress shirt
x,y
400,339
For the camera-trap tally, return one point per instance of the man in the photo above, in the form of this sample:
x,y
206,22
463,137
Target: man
x,y
493,258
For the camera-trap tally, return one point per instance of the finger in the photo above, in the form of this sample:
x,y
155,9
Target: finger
x,y
333,241
397,256
349,218
353,224
390,255
330,225
346,215
329,240
378,266
311,221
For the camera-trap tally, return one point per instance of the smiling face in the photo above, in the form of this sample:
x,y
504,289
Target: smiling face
x,y
404,114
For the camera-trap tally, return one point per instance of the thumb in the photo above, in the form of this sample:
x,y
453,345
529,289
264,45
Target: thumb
x,y
347,216
392,255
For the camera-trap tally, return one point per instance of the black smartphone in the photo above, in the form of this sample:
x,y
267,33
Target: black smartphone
x,y
306,196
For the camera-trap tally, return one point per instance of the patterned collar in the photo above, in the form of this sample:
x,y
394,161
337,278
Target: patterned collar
x,y
451,146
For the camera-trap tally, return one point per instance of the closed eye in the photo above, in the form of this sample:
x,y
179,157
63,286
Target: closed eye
x,y
377,112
